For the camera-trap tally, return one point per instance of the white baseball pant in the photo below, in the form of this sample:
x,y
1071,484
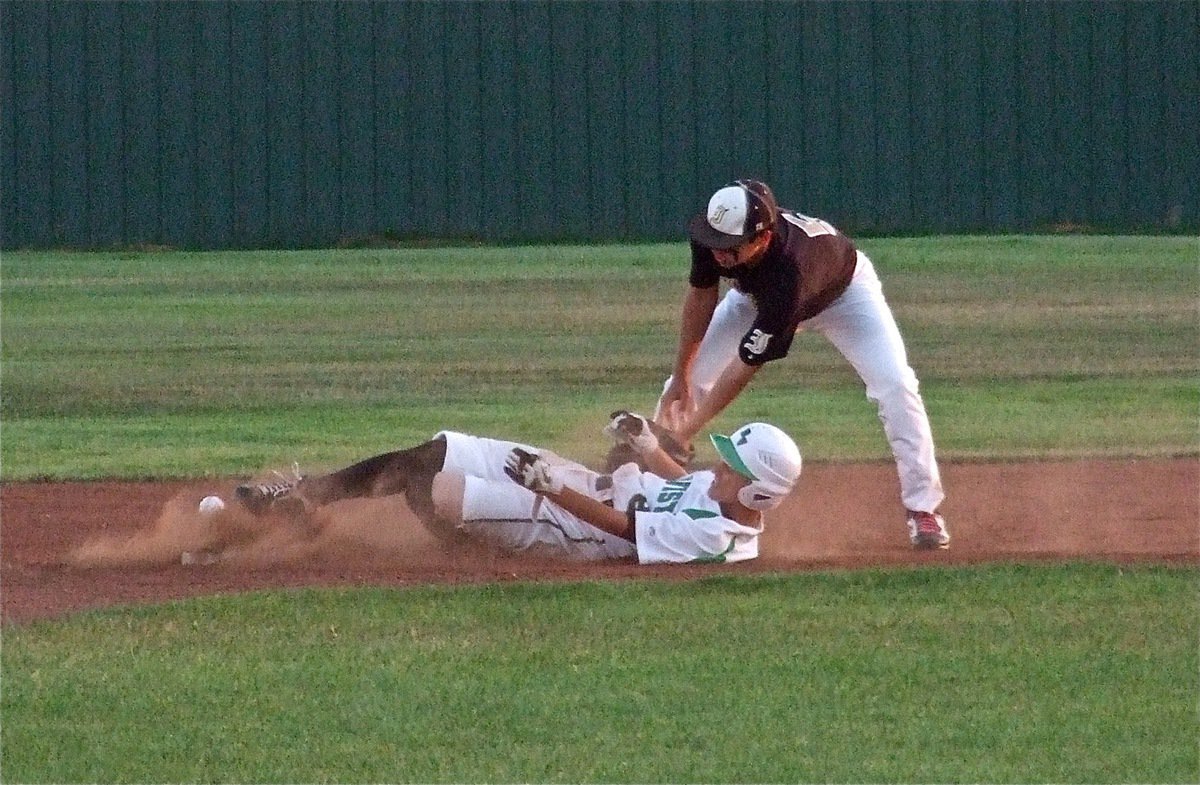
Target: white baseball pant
x,y
497,511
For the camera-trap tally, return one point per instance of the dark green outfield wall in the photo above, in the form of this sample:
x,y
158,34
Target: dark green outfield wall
x,y
248,124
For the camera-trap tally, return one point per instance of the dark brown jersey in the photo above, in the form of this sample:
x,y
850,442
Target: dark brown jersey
x,y
805,268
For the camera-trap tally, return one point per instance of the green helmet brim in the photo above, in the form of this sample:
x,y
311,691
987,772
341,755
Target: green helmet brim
x,y
729,454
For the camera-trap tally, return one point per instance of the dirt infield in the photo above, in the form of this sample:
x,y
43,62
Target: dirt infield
x,y
73,546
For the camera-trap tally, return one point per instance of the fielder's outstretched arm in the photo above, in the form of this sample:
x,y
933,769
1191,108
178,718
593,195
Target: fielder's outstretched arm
x,y
698,308
728,387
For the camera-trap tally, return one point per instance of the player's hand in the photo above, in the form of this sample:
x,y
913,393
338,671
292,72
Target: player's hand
x,y
628,428
678,422
528,470
674,405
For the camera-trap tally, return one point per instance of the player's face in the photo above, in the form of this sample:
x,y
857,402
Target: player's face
x,y
746,253
727,484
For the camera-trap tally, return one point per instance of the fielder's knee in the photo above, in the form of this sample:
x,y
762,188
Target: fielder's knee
x,y
900,386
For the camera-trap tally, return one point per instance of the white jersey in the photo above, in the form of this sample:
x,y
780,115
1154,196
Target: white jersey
x,y
675,520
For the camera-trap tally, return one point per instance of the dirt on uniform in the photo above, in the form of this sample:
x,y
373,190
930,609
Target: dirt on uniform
x,y
68,547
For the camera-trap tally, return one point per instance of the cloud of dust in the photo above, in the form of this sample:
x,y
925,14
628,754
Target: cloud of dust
x,y
180,527
358,528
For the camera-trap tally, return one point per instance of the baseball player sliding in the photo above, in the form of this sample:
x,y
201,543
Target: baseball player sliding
x,y
518,498
792,272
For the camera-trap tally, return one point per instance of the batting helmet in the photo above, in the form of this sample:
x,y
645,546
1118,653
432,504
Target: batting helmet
x,y
767,457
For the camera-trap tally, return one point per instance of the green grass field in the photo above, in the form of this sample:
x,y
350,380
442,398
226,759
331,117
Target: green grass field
x,y
922,676
175,364
184,365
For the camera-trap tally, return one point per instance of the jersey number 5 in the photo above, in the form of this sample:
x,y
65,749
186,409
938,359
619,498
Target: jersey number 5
x,y
813,227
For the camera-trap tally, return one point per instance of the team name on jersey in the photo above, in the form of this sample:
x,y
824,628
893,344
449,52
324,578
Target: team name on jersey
x,y
671,493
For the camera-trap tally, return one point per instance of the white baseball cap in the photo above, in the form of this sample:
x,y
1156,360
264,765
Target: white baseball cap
x,y
736,213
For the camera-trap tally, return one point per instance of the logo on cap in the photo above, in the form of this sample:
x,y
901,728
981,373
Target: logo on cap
x,y
727,211
734,212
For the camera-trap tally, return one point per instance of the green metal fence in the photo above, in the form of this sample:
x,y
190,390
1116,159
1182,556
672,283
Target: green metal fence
x,y
262,124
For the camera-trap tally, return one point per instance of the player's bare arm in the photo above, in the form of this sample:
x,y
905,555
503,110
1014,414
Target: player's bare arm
x,y
532,472
661,463
447,495
737,375
698,307
599,515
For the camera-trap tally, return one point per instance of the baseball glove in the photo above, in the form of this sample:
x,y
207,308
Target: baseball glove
x,y
623,452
